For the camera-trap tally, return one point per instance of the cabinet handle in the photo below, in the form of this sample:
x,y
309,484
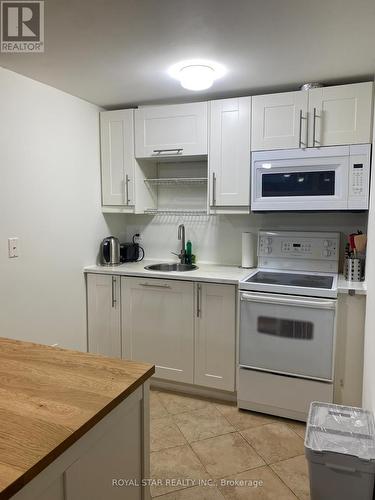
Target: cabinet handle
x,y
168,151
154,286
199,311
127,189
300,143
314,127
213,189
114,300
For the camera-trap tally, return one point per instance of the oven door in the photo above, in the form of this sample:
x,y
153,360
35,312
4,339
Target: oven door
x,y
303,183
287,334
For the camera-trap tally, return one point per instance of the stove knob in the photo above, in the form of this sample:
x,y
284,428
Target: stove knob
x,y
327,243
268,241
327,253
268,250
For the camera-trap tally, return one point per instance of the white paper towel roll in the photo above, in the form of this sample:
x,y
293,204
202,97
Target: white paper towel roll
x,y
248,250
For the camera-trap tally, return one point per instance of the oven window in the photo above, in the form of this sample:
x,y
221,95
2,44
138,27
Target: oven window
x,y
286,328
321,183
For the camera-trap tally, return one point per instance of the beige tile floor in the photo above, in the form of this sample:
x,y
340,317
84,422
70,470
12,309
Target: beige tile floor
x,y
206,450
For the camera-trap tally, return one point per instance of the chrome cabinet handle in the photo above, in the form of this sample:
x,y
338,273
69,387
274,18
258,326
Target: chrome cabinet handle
x,y
213,189
154,286
127,200
300,143
114,300
199,301
168,151
314,127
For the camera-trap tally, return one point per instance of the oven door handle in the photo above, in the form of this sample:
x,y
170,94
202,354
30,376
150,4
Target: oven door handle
x,y
267,299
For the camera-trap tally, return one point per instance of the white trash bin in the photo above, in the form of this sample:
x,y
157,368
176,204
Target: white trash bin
x,y
340,450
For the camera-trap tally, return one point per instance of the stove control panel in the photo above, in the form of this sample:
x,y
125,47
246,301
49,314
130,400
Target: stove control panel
x,y
315,246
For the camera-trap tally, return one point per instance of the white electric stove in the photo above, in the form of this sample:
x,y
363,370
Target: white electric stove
x,y
288,323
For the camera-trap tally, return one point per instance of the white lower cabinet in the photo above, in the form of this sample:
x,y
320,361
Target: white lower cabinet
x,y
187,330
215,336
104,314
351,313
158,325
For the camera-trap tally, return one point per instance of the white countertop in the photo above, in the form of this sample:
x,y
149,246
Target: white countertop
x,y
343,286
205,272
213,273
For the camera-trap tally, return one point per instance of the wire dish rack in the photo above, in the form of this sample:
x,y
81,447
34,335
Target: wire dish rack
x,y
155,211
168,181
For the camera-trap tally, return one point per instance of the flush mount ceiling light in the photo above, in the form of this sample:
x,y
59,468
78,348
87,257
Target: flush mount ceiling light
x,y
197,74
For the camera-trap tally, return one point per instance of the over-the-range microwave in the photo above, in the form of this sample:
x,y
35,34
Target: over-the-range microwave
x,y
326,178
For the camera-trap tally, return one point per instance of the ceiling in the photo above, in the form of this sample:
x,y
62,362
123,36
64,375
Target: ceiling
x,y
117,52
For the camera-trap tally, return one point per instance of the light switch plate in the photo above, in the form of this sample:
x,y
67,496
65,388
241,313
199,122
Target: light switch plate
x,y
13,247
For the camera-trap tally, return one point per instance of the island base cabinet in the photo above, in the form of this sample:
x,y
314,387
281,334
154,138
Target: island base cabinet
x,y
158,325
110,461
114,458
215,336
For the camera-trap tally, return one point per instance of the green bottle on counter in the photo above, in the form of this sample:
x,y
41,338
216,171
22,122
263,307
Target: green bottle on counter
x,y
188,252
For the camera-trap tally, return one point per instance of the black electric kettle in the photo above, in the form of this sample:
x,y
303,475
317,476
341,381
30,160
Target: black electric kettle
x,y
110,251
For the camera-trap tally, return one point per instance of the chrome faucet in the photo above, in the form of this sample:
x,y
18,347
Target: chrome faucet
x,y
181,237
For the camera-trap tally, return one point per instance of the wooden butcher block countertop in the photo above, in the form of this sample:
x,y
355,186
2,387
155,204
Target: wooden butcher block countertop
x,y
49,398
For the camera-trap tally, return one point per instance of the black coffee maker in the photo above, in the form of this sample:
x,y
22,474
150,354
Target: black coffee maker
x,y
131,252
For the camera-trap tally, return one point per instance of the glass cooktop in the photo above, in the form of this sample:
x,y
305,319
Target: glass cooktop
x,y
291,279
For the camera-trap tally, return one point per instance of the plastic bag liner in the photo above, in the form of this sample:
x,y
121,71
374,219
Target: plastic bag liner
x,y
341,429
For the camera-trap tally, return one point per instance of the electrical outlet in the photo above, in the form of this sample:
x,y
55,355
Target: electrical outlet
x,y
13,248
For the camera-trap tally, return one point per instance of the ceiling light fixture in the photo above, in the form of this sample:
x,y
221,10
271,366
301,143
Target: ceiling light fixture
x,y
197,74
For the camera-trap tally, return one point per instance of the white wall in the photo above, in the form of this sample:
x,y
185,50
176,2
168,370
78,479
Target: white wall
x,y
50,199
217,239
369,348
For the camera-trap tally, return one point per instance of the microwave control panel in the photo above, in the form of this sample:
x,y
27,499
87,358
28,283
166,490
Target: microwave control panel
x,y
315,246
359,177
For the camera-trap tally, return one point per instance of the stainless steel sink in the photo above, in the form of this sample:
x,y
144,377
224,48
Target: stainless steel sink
x,y
167,268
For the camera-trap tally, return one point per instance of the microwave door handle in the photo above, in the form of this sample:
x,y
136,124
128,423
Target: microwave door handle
x,y
315,304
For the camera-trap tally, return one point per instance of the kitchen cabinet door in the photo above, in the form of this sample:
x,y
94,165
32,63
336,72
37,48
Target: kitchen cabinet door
x,y
340,115
104,314
279,121
158,325
173,130
215,336
229,152
117,156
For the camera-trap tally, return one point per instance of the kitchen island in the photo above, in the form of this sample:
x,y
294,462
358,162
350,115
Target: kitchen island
x,y
72,425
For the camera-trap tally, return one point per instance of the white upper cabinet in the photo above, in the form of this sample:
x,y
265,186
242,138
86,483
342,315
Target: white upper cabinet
x,y
279,121
171,130
215,336
118,161
340,115
326,116
229,152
